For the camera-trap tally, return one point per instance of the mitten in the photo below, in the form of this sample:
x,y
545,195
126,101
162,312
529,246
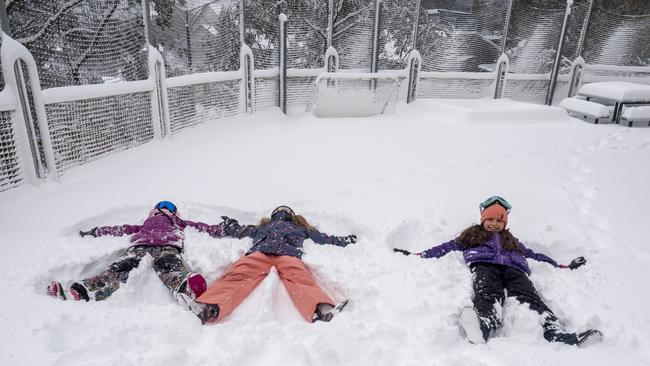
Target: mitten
x,y
577,262
350,239
230,225
403,251
92,232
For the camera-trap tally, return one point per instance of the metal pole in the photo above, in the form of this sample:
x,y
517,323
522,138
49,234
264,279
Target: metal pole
x,y
558,55
4,19
505,29
416,26
187,37
330,23
242,21
282,19
374,61
147,21
585,25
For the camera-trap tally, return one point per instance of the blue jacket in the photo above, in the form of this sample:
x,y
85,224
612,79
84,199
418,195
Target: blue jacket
x,y
280,237
491,252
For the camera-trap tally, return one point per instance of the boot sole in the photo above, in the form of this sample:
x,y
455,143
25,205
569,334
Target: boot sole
x,y
469,323
591,339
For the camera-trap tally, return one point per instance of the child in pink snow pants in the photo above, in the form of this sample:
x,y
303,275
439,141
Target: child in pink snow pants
x,y
276,242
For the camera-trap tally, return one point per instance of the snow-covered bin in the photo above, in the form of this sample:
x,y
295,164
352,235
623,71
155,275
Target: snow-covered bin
x,y
639,116
588,111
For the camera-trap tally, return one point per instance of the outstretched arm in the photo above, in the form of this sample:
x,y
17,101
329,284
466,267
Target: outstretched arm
x,y
115,230
232,228
440,250
528,253
215,231
322,238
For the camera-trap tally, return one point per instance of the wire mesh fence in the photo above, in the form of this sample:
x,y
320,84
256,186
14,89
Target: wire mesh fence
x,y
83,131
201,36
10,164
81,42
84,43
190,105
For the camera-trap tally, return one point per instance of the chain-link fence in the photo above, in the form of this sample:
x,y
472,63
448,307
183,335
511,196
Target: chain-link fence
x,y
119,73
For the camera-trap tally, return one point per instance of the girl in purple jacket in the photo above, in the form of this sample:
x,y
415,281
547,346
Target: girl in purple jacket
x,y
498,262
161,236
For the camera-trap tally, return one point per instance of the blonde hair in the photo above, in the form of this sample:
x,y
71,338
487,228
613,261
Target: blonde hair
x,y
296,219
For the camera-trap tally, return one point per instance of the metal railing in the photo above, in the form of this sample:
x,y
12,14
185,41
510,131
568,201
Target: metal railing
x,y
82,79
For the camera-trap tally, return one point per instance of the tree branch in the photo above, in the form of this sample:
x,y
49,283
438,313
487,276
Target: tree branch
x,y
49,22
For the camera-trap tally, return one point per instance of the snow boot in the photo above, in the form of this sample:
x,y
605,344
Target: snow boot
x,y
476,331
56,290
325,312
583,339
193,286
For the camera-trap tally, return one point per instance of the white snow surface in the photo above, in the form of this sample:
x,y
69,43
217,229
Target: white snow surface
x,y
410,180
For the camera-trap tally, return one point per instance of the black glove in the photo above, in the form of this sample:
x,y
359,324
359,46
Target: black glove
x,y
577,262
403,251
230,225
92,232
350,239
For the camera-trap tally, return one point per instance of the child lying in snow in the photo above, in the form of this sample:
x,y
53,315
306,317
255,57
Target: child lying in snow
x,y
276,242
498,262
161,236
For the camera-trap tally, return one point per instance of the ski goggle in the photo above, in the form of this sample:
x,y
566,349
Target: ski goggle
x,y
495,199
167,206
286,209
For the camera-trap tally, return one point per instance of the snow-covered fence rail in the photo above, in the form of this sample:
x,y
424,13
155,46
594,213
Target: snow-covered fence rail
x,y
119,74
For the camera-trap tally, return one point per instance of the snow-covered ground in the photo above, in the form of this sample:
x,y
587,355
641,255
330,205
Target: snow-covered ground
x,y
411,180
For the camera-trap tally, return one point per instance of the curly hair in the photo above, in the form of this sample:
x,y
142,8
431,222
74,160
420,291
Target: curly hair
x,y
476,235
296,219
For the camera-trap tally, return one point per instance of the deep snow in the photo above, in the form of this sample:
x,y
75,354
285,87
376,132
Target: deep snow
x,y
411,180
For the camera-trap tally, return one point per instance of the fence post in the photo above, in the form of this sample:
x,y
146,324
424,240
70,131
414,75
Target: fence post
x,y
282,19
331,60
416,26
585,25
558,54
507,25
501,71
242,21
330,23
374,61
246,67
14,79
577,69
414,62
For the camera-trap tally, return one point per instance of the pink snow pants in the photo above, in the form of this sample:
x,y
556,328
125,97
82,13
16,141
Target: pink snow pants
x,y
248,272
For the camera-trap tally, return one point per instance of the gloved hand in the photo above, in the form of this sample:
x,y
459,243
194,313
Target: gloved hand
x,y
230,225
350,239
92,232
403,251
577,262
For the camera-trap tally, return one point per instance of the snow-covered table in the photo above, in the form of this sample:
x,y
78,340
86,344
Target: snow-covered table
x,y
617,93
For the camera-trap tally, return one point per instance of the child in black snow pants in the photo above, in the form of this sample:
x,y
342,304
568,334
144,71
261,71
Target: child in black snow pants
x,y
161,235
498,262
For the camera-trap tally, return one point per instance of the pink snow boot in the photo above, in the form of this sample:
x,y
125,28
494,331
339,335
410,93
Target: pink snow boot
x,y
55,289
193,286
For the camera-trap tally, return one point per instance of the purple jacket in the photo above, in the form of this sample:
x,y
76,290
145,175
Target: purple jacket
x,y
491,252
161,230
282,237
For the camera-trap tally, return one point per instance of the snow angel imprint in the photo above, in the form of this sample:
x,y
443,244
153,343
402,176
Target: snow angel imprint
x,y
161,235
276,242
498,262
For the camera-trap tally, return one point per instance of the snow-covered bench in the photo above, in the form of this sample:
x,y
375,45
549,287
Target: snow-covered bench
x,y
636,116
589,111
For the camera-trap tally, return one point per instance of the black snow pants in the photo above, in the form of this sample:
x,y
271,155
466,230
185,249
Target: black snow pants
x,y
490,281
